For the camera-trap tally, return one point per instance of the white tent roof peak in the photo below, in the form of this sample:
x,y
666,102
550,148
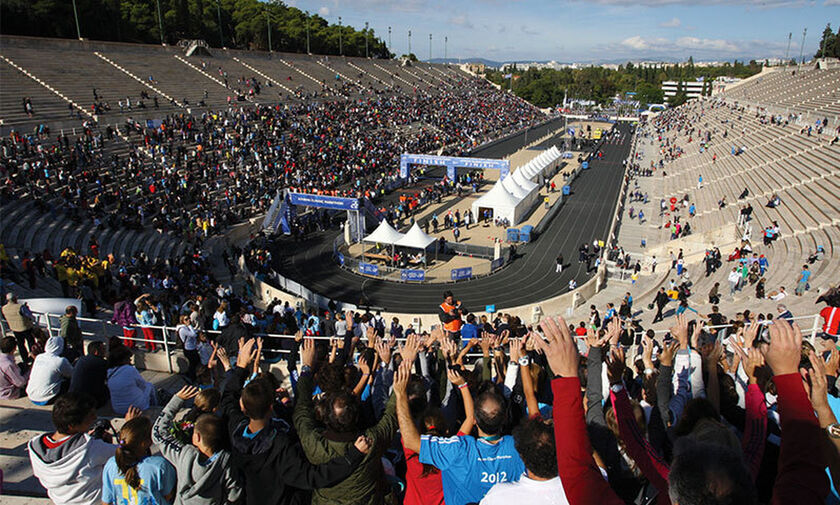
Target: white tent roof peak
x,y
384,234
415,238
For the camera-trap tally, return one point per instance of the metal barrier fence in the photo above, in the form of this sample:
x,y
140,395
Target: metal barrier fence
x,y
166,336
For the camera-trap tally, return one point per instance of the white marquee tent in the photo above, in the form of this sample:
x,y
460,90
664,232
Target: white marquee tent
x,y
384,234
502,203
415,238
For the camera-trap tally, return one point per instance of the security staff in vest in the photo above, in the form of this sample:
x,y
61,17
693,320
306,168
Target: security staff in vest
x,y
450,312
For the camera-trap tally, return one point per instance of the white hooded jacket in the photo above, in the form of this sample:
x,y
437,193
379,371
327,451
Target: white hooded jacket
x,y
48,372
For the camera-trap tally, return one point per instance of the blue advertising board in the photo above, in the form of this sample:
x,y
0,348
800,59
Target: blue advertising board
x,y
340,258
323,201
368,269
461,273
413,275
584,165
497,263
490,308
451,162
567,190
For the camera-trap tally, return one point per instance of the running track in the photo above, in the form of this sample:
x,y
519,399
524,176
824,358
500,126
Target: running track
x,y
585,216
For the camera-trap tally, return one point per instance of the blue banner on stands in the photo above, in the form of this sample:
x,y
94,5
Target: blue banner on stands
x,y
461,273
490,309
413,275
497,263
368,269
451,163
323,201
567,190
340,258
584,165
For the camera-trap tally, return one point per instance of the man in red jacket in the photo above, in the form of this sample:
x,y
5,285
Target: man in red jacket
x,y
693,478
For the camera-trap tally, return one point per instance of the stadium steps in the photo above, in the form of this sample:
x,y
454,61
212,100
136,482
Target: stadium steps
x,y
25,72
264,76
47,106
374,79
344,75
394,75
136,78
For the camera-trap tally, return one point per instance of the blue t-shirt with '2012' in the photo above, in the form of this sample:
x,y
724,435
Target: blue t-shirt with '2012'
x,y
469,467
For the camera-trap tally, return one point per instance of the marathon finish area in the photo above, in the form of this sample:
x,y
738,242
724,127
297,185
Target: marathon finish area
x,y
530,278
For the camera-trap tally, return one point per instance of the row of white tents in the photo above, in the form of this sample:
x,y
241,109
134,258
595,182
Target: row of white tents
x,y
414,238
513,197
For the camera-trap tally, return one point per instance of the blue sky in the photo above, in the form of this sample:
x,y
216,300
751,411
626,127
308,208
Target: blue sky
x,y
594,30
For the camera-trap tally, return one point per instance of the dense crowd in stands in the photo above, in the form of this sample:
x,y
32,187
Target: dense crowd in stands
x,y
192,174
475,411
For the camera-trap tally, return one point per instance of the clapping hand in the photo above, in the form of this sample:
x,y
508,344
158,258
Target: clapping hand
x,y
187,392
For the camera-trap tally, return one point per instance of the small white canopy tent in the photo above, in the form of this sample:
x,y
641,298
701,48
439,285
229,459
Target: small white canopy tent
x,y
415,238
384,234
502,203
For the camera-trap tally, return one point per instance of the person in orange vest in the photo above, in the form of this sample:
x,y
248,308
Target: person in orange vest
x,y
450,312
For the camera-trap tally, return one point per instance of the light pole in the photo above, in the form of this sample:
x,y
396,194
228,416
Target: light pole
x,y
76,15
787,53
409,42
307,33
340,44
445,44
219,12
389,39
268,28
822,46
160,21
430,47
367,37
801,49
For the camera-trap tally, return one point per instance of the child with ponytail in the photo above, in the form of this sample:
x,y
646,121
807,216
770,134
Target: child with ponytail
x,y
132,476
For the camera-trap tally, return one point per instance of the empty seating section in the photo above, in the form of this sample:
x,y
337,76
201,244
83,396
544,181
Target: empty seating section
x,y
46,105
810,90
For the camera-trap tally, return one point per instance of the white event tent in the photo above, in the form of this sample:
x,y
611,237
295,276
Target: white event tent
x,y
502,203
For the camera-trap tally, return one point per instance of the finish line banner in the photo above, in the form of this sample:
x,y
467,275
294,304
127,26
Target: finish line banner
x,y
323,201
452,162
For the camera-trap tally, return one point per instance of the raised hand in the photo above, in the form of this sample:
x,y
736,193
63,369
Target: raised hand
x,y
247,353
410,349
819,385
298,336
187,392
132,413
223,357
784,350
401,378
486,343
750,333
695,336
680,331
363,444
307,352
594,340
455,377
832,364
559,347
383,348
616,365
614,328
647,351
517,349
666,357
751,359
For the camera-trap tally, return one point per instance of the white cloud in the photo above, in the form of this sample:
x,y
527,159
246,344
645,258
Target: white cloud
x,y
831,2
461,20
659,44
671,23
640,43
324,11
707,44
529,31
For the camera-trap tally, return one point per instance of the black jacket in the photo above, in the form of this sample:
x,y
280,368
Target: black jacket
x,y
272,465
90,376
229,339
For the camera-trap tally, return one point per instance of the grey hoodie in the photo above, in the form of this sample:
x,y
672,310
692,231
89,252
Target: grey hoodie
x,y
200,481
70,470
